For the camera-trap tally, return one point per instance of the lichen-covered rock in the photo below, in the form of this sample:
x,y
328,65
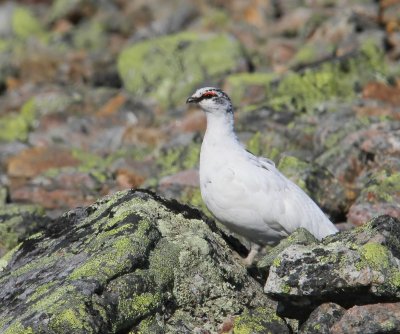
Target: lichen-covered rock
x,y
383,318
259,321
322,318
353,267
131,261
169,68
17,222
312,88
299,237
380,191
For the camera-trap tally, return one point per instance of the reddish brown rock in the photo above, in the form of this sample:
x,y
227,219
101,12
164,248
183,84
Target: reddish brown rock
x,y
375,318
128,179
68,189
35,160
382,92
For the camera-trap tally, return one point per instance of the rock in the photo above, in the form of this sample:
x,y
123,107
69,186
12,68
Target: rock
x,y
349,268
179,63
16,126
33,161
25,25
71,9
322,318
385,93
60,189
355,146
314,87
245,88
17,222
131,261
299,237
376,318
380,190
259,321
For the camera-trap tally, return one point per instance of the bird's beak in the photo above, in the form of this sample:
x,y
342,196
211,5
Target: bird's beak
x,y
191,99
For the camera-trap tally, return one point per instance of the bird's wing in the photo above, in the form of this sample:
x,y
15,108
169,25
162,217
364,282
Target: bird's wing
x,y
285,202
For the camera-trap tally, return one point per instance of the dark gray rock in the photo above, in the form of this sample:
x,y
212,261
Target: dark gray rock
x,y
17,222
131,261
299,237
322,318
353,267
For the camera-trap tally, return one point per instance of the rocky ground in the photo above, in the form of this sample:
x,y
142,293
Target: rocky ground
x,y
92,102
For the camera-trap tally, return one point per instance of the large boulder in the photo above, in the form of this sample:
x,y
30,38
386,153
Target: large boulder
x,y
169,68
361,266
131,261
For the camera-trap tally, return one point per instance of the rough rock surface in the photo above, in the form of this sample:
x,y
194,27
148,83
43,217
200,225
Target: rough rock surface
x,y
129,261
377,318
322,318
353,267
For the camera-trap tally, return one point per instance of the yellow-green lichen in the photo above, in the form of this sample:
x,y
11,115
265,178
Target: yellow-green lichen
x,y
40,291
38,264
71,320
317,327
384,186
17,328
17,126
179,158
277,262
89,36
256,321
8,256
55,298
170,67
331,81
25,24
375,255
285,288
112,260
239,83
163,262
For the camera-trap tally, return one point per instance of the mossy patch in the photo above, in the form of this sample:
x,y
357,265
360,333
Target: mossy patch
x,y
178,158
260,321
71,320
16,223
375,255
18,328
89,36
240,83
169,68
25,24
384,186
331,81
17,126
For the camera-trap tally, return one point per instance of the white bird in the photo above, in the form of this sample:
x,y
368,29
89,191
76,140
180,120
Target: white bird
x,y
247,193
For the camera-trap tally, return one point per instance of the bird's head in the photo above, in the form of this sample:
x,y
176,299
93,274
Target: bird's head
x,y
212,100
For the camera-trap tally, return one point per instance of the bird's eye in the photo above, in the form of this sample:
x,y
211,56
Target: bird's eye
x,y
208,95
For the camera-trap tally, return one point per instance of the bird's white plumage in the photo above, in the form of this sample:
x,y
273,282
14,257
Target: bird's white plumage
x,y
247,193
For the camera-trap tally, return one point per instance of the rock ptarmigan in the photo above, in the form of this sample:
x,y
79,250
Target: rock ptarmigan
x,y
247,193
